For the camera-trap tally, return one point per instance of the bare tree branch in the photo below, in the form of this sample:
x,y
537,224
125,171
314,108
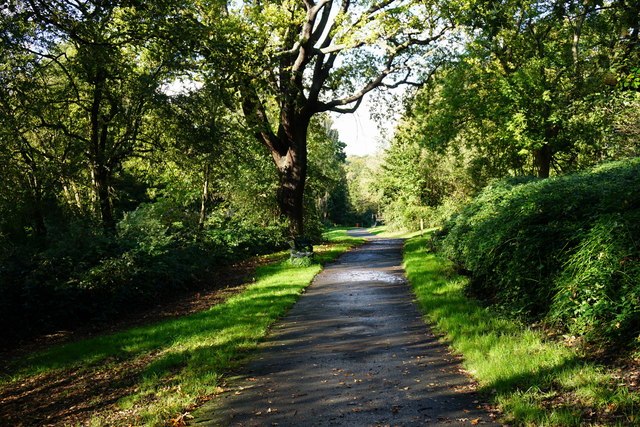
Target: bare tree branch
x,y
372,84
347,110
257,118
378,81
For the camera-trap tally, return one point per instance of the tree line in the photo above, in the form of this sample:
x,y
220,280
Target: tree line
x,y
142,143
131,161
531,88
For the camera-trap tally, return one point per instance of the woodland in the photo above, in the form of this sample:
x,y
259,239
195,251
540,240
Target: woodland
x,y
146,144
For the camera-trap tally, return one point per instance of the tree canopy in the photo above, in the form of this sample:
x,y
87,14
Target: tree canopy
x,y
142,137
535,88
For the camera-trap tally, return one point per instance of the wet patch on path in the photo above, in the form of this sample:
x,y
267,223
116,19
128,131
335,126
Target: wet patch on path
x,y
353,351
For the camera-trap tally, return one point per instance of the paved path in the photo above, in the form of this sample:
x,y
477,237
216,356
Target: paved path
x,y
353,351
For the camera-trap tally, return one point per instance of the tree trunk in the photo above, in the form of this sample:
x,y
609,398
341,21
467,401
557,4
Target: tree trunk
x,y
67,196
36,194
542,160
292,171
204,198
100,170
543,156
101,184
37,210
76,195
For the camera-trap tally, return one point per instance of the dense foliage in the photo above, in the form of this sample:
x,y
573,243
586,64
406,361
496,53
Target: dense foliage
x,y
563,249
536,88
419,187
127,171
177,217
361,176
142,144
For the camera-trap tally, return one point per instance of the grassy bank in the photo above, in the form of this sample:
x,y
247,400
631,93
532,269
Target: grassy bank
x,y
382,231
169,367
564,251
534,381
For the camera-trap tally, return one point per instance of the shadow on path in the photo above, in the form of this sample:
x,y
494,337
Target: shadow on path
x,y
353,351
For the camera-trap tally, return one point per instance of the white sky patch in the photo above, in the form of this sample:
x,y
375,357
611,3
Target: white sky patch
x,y
180,87
362,135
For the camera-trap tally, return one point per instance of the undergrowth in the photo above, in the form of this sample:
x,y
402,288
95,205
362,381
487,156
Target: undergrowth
x,y
82,274
565,250
185,359
532,380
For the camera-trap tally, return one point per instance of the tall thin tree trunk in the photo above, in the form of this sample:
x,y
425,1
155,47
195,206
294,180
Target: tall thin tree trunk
x,y
542,160
577,33
67,196
102,186
37,210
76,195
101,172
204,198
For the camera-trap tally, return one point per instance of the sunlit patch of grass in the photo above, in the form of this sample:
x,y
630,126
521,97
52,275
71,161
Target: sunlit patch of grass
x,y
339,234
533,380
189,356
381,231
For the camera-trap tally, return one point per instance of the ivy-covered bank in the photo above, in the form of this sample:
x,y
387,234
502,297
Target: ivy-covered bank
x,y
565,250
531,380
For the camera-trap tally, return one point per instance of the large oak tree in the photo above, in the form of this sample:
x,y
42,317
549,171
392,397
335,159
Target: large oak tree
x,y
305,57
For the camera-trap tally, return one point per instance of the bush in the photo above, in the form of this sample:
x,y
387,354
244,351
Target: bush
x,y
401,216
598,290
82,274
564,249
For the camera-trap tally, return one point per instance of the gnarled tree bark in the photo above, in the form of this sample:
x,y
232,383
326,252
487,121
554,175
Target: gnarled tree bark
x,y
301,71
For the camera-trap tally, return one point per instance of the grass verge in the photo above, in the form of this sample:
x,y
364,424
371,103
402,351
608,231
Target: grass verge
x,y
174,365
339,234
534,381
381,231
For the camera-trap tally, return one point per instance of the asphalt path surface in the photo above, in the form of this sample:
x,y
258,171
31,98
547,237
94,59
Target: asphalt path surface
x,y
353,351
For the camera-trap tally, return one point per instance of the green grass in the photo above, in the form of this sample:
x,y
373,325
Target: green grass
x,y
534,381
186,358
339,234
381,231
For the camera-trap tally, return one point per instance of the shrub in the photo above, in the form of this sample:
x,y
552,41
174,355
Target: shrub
x,y
82,274
399,215
598,290
571,240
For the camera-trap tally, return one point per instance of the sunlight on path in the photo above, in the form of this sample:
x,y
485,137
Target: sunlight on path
x,y
354,351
